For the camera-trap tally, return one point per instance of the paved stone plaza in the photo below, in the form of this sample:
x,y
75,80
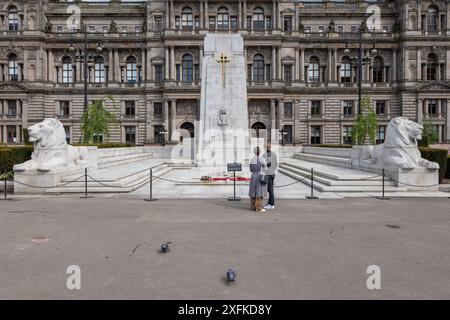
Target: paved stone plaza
x,y
303,249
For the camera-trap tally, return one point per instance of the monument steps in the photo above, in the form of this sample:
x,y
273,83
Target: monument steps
x,y
325,159
126,183
329,179
115,160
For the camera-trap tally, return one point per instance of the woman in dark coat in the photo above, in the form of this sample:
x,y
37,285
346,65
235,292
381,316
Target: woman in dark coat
x,y
257,190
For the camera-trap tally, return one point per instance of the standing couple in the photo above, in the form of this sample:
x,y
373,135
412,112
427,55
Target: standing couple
x,y
263,168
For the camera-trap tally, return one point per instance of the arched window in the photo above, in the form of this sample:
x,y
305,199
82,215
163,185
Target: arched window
x,y
258,19
258,68
13,19
99,70
131,70
186,19
222,19
432,62
346,70
314,70
67,76
377,69
13,68
187,67
432,18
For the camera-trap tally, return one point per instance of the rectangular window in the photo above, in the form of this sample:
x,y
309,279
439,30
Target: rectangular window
x,y
157,110
105,29
288,110
320,29
159,73
13,21
158,23
212,23
381,134
64,109
348,108
340,29
177,22
158,134
12,107
380,107
268,23
234,23
249,22
316,108
137,29
130,135
315,134
130,109
59,29
288,74
288,24
432,107
197,22
347,135
308,29
11,134
288,134
124,29
98,137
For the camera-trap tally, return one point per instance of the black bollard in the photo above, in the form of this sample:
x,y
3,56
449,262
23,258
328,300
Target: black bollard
x,y
312,196
150,198
85,185
5,192
382,190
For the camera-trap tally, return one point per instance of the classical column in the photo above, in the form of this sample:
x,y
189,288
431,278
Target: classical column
x,y
206,15
166,64
274,15
166,118
24,114
25,66
200,61
239,14
172,63
149,65
167,16
274,63
302,65
439,108
110,67
51,66
280,113
394,65
5,134
297,64
278,15
419,65
330,66
244,15
448,120
173,120
273,133
144,64
116,66
172,16
278,64
447,73
202,16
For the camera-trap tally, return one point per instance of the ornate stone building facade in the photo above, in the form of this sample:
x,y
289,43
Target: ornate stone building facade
x,y
300,56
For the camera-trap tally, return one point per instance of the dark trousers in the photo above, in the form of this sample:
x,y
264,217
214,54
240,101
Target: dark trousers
x,y
270,183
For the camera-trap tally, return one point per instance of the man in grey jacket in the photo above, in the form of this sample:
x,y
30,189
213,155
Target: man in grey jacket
x,y
272,165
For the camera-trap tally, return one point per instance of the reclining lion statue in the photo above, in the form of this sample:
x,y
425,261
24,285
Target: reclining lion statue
x,y
51,150
400,149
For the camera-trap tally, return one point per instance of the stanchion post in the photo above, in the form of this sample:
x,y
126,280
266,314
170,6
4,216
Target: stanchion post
x,y
312,196
234,198
85,185
382,192
4,186
150,185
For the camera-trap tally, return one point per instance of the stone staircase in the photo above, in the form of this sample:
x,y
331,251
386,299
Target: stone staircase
x,y
340,157
329,178
118,156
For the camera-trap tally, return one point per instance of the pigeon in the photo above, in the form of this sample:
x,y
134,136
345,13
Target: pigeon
x,y
231,275
165,247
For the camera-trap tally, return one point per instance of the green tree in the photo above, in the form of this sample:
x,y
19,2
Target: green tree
x,y
429,135
96,120
366,124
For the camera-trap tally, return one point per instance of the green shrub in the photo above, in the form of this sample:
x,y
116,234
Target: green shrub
x,y
436,155
14,155
26,136
447,172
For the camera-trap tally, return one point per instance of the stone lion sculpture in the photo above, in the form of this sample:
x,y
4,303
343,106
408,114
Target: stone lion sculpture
x,y
51,150
400,149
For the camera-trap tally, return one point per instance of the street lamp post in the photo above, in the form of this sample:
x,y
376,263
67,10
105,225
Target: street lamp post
x,y
72,48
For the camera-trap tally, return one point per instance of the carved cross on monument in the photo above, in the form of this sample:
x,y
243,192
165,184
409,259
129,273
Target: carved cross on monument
x,y
223,60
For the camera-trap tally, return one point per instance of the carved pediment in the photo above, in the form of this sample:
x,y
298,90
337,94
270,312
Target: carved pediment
x,y
435,87
11,86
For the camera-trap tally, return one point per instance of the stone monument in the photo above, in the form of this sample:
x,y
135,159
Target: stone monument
x,y
400,157
223,127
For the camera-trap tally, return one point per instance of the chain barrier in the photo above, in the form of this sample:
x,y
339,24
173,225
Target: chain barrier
x,y
50,187
120,187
